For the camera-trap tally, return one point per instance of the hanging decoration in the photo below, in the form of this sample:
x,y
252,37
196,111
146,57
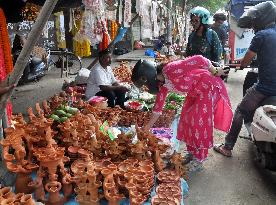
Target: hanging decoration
x,y
127,13
154,19
105,40
113,30
93,21
60,30
5,43
81,47
120,12
6,64
145,9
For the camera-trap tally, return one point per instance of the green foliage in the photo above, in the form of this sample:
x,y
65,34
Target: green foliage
x,y
211,5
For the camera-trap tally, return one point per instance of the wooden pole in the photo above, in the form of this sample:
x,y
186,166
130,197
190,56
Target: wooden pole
x,y
24,56
111,44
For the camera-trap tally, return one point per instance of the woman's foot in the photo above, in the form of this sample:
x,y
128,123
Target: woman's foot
x,y
222,150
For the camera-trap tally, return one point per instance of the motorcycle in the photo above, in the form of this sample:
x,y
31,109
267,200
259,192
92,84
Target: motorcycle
x,y
262,130
36,66
34,70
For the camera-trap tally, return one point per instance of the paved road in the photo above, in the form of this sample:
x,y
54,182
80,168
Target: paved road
x,y
236,180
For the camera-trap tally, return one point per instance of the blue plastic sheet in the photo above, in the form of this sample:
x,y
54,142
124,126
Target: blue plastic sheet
x,y
121,33
151,53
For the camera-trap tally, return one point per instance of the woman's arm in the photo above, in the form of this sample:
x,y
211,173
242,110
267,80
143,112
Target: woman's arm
x,y
158,107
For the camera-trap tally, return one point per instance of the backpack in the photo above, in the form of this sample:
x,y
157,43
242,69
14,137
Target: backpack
x,y
209,36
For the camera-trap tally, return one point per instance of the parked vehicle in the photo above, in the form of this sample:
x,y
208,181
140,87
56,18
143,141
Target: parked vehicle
x,y
35,68
263,127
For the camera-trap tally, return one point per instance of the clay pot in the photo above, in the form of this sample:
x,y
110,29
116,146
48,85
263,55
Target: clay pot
x,y
67,186
8,157
21,183
106,172
9,201
53,189
6,193
18,197
39,192
146,163
27,200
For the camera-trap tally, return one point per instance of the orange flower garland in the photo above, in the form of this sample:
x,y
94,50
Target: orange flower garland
x,y
113,30
5,43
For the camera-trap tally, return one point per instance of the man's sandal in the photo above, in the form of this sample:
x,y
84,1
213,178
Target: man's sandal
x,y
221,149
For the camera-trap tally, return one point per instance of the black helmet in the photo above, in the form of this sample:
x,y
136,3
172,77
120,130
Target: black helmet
x,y
219,16
259,16
145,73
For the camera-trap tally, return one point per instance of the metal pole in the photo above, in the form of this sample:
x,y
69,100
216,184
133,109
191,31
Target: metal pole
x,y
23,58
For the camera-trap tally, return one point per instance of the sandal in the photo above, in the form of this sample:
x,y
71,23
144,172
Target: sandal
x,y
222,150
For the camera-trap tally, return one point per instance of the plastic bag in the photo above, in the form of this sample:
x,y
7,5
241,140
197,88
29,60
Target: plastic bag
x,y
82,76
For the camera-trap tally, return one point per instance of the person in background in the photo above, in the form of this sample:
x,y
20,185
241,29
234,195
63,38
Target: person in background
x,y
218,27
206,106
203,40
101,82
262,19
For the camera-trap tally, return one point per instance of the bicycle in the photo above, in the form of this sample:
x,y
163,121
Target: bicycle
x,y
67,61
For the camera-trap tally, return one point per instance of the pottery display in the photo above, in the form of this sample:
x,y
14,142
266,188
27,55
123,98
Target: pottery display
x,y
7,197
78,156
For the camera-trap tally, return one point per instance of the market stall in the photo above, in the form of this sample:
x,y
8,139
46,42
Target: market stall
x,y
90,154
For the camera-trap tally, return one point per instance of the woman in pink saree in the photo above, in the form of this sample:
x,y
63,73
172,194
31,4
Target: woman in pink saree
x,y
207,104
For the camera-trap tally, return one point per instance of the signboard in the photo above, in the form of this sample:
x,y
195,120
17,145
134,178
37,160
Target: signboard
x,y
242,44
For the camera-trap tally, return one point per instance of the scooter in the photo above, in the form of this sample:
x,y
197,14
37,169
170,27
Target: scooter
x,y
34,70
263,128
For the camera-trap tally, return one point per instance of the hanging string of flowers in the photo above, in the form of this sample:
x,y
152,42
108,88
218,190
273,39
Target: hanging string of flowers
x,y
6,64
106,39
3,73
113,30
5,43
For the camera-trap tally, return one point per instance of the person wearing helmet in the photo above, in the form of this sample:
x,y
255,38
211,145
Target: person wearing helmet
x,y
262,19
198,78
217,26
203,40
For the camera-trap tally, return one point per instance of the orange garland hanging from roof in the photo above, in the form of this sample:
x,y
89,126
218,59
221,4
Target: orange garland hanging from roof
x,y
5,43
6,56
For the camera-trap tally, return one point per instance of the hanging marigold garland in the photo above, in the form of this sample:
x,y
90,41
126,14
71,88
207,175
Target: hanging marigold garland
x,y
5,43
5,56
105,40
113,30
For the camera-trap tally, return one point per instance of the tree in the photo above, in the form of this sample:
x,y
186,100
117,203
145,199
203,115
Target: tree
x,y
211,5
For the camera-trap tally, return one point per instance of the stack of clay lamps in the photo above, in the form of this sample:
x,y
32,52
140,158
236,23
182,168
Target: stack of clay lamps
x,y
7,197
111,192
85,177
169,189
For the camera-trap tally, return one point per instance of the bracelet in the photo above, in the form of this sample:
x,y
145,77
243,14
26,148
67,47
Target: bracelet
x,y
215,71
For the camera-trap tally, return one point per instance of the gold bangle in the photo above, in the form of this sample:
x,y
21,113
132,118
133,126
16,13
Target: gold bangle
x,y
216,71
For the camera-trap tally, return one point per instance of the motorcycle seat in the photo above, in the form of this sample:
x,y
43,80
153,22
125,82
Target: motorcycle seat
x,y
36,61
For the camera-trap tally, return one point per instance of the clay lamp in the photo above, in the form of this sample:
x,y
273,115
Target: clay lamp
x,y
18,197
6,193
8,201
27,200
